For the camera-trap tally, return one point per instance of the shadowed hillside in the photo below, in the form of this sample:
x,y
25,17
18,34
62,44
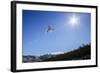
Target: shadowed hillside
x,y
82,53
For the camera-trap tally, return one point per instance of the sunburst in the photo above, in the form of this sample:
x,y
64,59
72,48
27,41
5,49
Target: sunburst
x,y
73,20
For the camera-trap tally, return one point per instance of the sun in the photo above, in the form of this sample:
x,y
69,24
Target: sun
x,y
73,20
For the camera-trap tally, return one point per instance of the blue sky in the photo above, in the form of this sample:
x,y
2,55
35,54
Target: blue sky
x,y
68,34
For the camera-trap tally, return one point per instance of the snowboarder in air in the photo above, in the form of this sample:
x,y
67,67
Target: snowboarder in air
x,y
50,29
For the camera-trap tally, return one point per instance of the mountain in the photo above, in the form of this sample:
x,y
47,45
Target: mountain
x,y
46,56
82,53
28,58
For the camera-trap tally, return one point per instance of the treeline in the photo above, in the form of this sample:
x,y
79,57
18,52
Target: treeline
x,y
82,53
